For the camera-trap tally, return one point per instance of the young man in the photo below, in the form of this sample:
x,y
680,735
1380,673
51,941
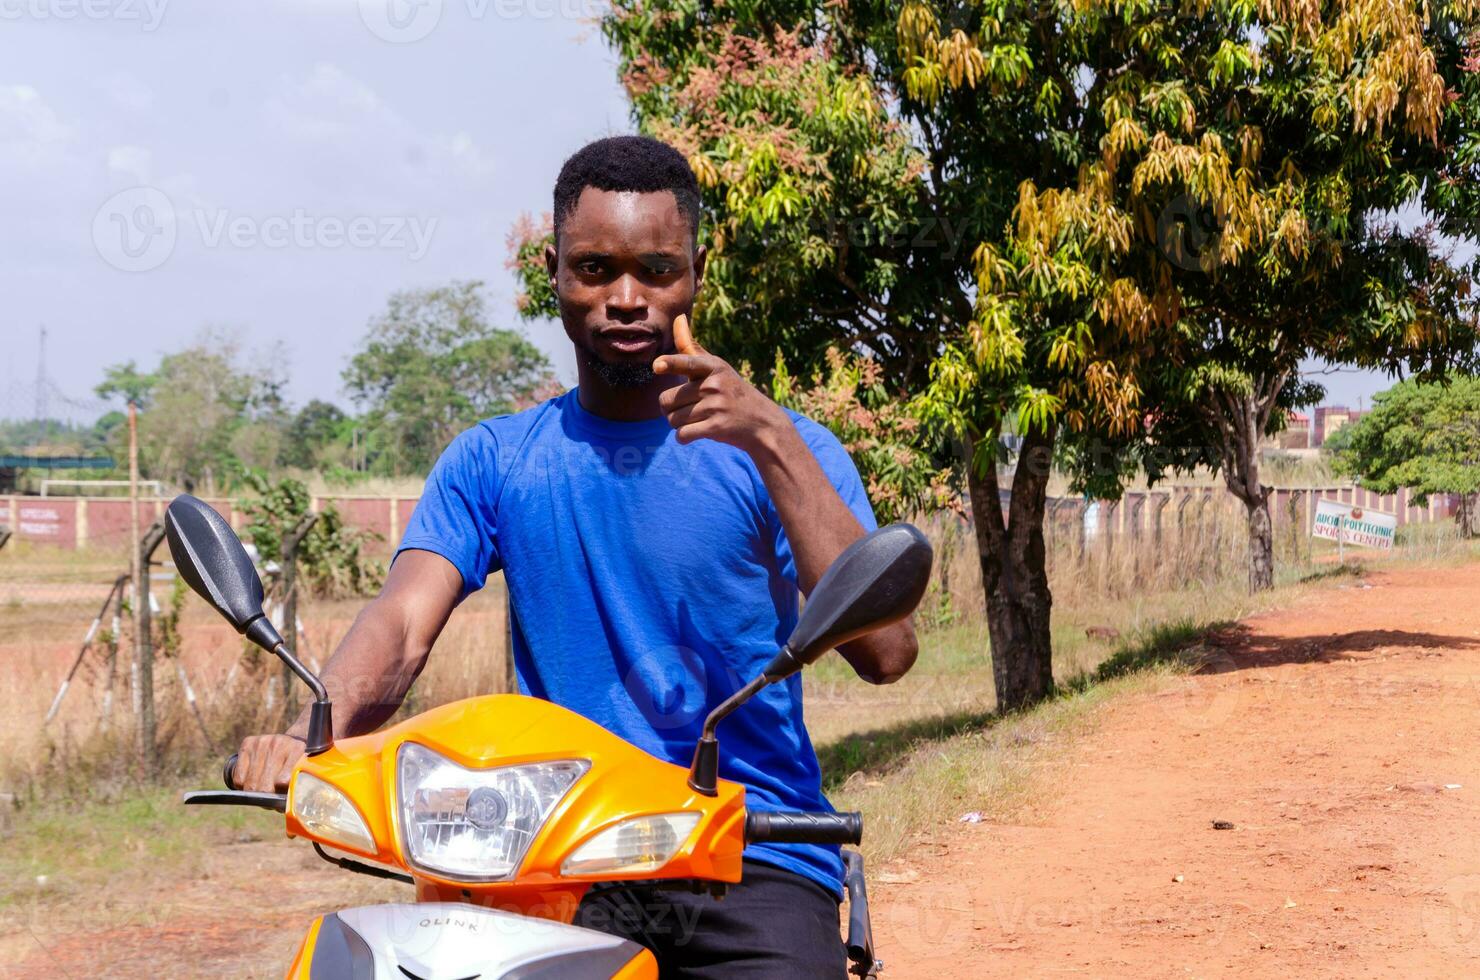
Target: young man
x,y
654,527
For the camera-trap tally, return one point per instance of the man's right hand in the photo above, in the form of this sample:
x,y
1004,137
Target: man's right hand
x,y
265,763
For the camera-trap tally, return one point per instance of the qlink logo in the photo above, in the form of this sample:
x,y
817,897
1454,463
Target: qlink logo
x,y
148,14
137,230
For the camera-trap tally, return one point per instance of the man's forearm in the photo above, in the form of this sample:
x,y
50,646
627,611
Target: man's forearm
x,y
819,526
369,674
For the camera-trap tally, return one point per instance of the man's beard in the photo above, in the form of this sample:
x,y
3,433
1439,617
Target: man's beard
x,y
636,375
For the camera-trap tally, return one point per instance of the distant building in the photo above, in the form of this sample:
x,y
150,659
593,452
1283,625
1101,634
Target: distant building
x,y
1329,418
1296,434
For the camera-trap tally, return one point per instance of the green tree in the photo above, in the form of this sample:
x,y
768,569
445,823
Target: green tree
x,y
332,562
317,426
432,365
1249,176
1425,437
885,440
206,412
984,197
125,381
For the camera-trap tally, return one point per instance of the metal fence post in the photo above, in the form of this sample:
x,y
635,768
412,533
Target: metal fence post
x,y
144,647
289,557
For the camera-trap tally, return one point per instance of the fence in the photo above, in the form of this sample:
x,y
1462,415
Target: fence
x,y
76,523
102,523
61,611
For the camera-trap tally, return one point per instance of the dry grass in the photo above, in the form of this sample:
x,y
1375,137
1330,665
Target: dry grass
x,y
238,691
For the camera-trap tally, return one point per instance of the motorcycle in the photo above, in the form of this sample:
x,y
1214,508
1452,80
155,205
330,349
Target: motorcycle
x,y
503,810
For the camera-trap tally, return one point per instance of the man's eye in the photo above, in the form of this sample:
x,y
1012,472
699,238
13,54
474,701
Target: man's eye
x,y
589,268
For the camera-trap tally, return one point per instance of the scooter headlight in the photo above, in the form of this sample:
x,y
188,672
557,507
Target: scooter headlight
x,y
328,814
475,824
637,844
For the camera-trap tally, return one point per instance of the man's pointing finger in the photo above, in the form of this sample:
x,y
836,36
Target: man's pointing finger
x,y
689,365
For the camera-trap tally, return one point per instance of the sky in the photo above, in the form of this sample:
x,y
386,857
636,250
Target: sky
x,y
275,169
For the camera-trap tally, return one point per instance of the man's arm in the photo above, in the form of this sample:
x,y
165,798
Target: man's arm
x,y
716,403
374,666
819,526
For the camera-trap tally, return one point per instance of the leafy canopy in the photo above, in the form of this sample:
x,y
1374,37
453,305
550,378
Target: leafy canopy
x,y
1422,436
431,366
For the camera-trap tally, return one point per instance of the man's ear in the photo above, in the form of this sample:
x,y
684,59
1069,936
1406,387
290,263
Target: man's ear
x,y
552,263
701,255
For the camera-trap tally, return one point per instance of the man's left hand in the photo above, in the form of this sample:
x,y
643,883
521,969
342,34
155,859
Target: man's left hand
x,y
715,402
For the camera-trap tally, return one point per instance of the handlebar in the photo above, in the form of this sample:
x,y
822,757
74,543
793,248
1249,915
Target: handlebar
x,y
234,796
800,827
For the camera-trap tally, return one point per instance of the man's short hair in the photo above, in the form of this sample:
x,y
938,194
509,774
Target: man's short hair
x,y
628,163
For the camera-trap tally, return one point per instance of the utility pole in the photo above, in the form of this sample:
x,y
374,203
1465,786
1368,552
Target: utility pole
x,y
42,409
143,667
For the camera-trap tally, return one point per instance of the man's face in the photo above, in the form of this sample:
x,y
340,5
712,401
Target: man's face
x,y
626,267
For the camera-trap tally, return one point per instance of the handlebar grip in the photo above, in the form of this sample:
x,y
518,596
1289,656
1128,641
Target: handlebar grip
x,y
227,771
800,827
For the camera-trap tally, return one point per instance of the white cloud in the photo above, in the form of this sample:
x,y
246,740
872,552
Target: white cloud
x,y
31,132
127,92
134,162
328,105
348,122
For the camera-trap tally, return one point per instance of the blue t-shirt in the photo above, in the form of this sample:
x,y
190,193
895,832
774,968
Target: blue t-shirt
x,y
649,581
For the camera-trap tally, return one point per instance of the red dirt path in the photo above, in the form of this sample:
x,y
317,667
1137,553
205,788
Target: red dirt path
x,y
1341,739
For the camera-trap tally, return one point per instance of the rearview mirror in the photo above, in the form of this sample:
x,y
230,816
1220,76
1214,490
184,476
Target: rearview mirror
x,y
213,562
877,580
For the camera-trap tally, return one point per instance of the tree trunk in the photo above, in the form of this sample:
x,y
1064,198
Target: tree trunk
x,y
1014,572
1240,420
1465,517
1261,545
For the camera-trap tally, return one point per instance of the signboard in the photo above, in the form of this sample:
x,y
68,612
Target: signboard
x,y
1348,524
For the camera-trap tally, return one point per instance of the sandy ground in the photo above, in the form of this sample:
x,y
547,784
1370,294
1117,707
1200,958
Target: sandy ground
x,y
1335,740
1336,745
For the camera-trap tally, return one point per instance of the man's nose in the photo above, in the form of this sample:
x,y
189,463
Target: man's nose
x,y
627,300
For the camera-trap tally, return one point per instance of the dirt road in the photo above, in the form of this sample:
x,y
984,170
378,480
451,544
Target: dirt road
x,y
1336,744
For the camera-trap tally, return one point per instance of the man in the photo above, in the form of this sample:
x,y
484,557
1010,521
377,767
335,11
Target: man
x,y
654,527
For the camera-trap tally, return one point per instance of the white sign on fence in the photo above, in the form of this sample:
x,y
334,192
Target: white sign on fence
x,y
1347,524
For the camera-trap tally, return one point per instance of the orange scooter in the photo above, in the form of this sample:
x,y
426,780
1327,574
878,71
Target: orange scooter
x,y
503,810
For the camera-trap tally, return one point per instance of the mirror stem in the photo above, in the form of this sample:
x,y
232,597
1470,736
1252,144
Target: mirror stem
x,y
321,712
704,773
